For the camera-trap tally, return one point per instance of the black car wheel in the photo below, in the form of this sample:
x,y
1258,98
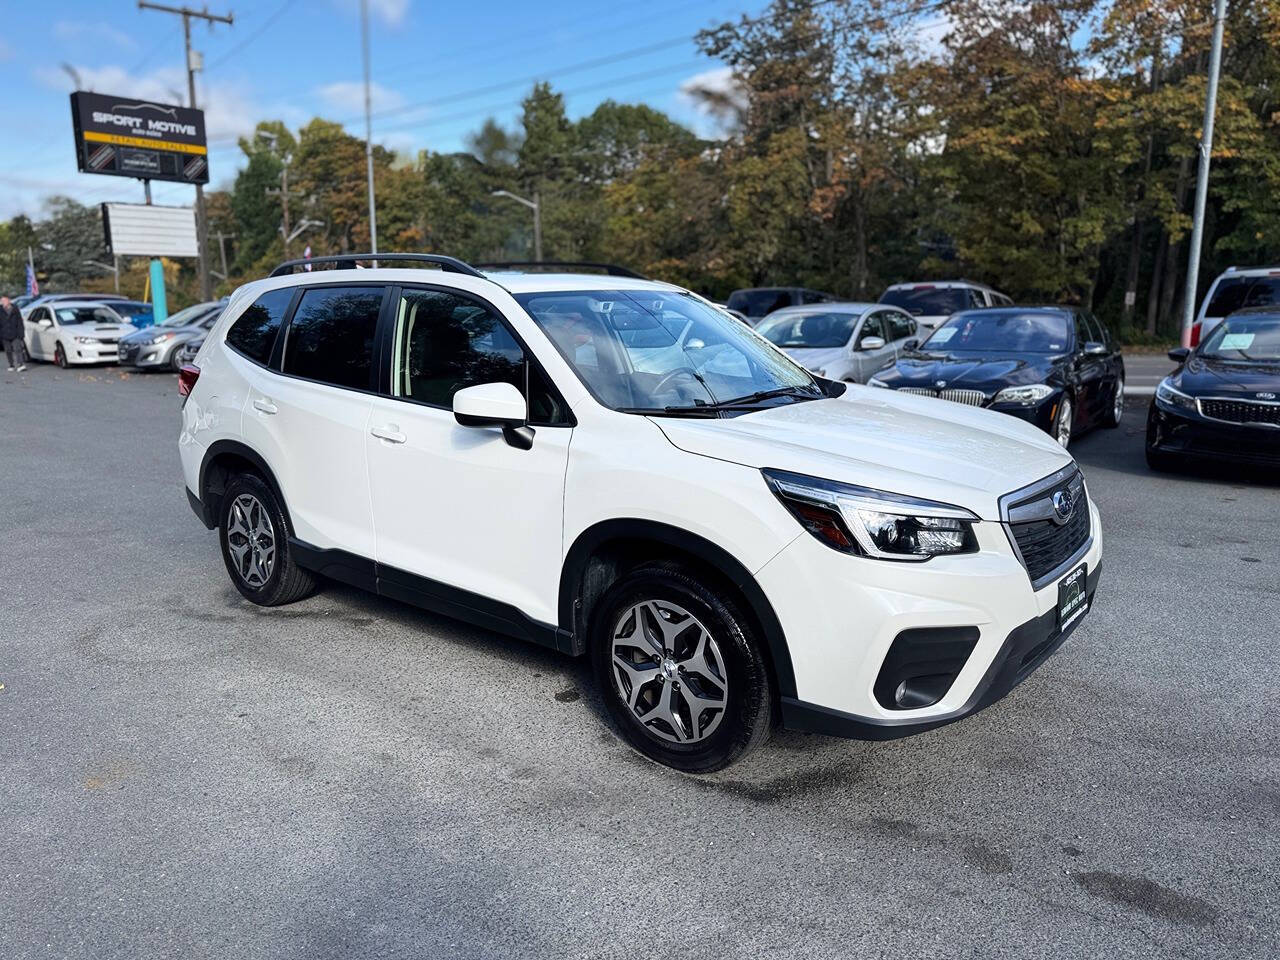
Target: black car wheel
x,y
1114,414
254,533
680,670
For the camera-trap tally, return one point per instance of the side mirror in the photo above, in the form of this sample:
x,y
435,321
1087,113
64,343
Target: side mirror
x,y
1179,354
1095,349
911,343
44,323
495,405
871,343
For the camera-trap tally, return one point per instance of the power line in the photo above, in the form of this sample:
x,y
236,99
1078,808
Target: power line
x,y
266,25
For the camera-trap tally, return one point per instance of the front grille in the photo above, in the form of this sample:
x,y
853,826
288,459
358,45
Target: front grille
x,y
108,342
1241,411
974,398
1045,545
1042,540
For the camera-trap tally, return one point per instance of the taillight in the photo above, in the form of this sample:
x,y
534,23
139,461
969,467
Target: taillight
x,y
187,378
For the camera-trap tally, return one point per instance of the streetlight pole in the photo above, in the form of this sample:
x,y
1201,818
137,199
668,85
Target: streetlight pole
x,y
202,226
1202,174
536,206
368,130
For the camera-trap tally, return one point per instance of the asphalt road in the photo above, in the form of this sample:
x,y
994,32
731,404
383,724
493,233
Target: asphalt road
x,y
186,775
1144,371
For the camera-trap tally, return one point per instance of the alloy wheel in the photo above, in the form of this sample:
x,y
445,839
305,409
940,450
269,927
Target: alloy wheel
x,y
1062,432
251,539
668,670
1119,401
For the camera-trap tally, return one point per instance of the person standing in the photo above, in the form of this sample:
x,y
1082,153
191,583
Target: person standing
x,y
11,334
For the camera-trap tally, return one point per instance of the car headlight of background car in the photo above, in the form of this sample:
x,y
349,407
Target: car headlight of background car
x,y
1027,394
1170,396
873,523
158,338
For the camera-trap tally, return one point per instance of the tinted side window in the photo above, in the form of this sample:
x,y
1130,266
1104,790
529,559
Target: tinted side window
x,y
1228,296
445,342
873,326
812,296
976,299
254,333
900,327
331,336
1098,332
1083,334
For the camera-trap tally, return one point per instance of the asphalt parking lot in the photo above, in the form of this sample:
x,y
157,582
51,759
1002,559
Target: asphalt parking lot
x,y
188,775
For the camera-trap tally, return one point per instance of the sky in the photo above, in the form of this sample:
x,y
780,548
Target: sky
x,y
439,69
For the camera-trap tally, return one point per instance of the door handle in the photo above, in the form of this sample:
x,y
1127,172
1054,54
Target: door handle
x,y
265,406
388,433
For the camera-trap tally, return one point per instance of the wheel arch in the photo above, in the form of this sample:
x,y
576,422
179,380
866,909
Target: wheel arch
x,y
606,550
224,459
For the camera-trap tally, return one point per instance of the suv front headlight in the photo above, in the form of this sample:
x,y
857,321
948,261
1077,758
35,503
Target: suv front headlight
x,y
874,523
1028,394
1170,396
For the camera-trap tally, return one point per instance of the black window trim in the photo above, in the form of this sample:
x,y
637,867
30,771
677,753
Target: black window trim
x,y
385,351
277,353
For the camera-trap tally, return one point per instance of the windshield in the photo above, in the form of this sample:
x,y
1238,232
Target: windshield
x,y
72,315
188,315
1244,338
653,351
810,329
759,303
928,301
1006,331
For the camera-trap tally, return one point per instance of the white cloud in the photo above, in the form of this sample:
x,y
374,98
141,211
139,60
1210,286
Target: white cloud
x,y
348,97
391,12
75,31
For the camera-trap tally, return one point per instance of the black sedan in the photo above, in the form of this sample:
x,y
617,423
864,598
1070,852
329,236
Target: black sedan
x,y
1056,367
1223,401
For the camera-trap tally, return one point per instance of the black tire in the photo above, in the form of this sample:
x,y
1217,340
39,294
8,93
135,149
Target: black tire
x,y
747,717
175,363
286,581
1162,462
1111,419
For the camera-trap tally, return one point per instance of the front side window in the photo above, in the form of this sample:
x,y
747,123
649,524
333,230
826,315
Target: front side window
x,y
331,336
808,328
1003,330
446,341
254,332
654,351
873,326
900,326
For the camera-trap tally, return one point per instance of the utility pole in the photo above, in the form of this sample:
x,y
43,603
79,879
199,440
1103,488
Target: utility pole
x,y
222,252
283,194
1202,174
368,130
194,62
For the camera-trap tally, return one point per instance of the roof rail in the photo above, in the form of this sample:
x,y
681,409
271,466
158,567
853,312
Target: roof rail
x,y
447,264
611,269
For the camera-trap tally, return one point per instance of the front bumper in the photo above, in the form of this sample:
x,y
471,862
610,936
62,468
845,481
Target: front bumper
x,y
141,357
78,353
842,614
1191,435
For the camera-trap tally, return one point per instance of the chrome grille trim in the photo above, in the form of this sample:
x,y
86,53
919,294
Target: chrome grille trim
x,y
1025,505
972,398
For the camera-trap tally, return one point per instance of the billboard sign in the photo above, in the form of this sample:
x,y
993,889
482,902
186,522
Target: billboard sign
x,y
143,230
126,137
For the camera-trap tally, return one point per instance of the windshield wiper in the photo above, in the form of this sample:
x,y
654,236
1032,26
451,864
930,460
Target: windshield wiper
x,y
753,398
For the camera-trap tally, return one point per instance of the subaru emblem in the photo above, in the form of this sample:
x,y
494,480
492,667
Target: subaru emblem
x,y
1265,396
1063,506
940,384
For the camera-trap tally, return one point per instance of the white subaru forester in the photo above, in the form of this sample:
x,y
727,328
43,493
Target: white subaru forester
x,y
614,467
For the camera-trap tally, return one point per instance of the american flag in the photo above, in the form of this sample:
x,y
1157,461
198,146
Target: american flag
x,y
307,254
33,285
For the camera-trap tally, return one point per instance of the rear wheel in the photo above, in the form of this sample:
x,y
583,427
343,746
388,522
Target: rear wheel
x,y
1062,424
1112,419
680,670
60,356
254,534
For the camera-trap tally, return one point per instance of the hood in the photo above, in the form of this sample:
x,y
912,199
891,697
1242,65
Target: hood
x,y
815,358
905,444
968,371
1205,377
148,333
99,329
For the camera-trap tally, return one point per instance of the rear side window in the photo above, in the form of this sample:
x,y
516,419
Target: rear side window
x,y
254,333
331,336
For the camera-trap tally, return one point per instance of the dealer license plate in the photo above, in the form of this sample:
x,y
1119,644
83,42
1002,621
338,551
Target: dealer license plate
x,y
1072,599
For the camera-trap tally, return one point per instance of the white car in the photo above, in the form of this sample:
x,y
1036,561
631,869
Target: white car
x,y
1237,288
841,341
732,542
74,332
933,302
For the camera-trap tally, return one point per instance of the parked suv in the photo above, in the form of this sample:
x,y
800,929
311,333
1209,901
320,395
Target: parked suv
x,y
932,303
613,467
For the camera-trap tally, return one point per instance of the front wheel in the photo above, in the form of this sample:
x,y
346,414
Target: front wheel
x,y
680,670
1113,416
60,356
254,534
